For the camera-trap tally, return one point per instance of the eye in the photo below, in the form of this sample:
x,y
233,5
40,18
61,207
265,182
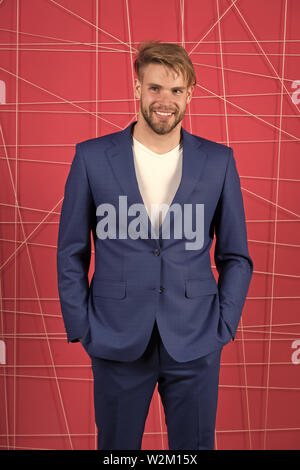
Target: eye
x,y
179,91
153,88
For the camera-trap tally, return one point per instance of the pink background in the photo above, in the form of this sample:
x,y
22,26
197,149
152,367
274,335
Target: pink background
x,y
67,68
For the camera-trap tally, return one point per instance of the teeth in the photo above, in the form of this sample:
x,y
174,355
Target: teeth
x,y
163,114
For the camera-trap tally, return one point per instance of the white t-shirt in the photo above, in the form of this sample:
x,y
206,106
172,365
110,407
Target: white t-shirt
x,y
158,177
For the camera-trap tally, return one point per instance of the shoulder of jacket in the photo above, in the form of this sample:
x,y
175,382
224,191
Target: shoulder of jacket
x,y
212,146
97,142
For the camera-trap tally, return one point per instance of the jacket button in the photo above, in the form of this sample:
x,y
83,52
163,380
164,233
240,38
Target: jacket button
x,y
161,289
156,252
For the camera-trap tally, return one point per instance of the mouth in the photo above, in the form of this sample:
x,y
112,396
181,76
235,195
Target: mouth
x,y
164,116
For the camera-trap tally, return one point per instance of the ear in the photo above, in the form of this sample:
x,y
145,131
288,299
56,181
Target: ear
x,y
137,88
190,93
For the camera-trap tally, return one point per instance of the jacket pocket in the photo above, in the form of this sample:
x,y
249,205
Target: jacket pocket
x,y
109,289
199,287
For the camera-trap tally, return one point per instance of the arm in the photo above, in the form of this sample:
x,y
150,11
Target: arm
x,y
74,249
233,263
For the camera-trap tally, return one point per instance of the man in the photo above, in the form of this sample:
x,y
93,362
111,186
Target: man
x,y
154,313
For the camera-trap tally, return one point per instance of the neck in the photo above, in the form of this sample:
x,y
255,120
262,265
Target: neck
x,y
156,142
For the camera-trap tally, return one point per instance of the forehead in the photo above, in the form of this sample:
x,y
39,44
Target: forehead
x,y
161,74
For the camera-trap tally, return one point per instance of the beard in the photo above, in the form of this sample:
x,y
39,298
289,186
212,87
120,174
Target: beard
x,y
161,127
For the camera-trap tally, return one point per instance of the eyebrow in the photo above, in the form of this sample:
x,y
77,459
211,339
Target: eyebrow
x,y
174,88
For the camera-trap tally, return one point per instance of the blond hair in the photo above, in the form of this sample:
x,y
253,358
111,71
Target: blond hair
x,y
171,55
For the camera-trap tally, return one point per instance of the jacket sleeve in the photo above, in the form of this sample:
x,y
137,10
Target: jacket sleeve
x,y
74,248
233,263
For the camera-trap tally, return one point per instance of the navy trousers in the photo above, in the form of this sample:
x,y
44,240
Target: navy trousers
x,y
188,390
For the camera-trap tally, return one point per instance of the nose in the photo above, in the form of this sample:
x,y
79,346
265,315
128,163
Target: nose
x,y
164,101
164,96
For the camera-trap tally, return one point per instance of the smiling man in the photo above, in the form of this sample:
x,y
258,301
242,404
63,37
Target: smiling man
x,y
164,93
154,313
163,96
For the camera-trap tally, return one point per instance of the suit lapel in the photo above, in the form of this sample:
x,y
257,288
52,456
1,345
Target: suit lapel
x,y
120,155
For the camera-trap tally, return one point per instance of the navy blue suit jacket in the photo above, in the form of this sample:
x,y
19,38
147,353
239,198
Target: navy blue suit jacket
x,y
139,280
